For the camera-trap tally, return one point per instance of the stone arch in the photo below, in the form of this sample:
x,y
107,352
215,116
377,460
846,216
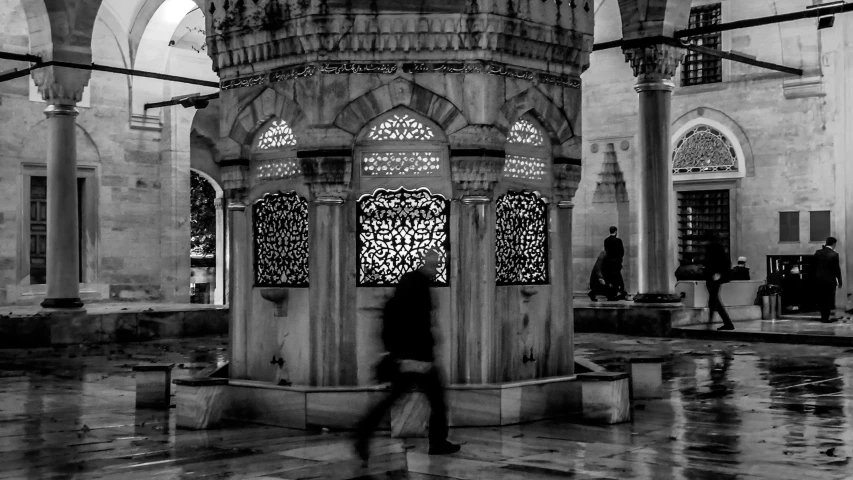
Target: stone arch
x,y
56,25
146,11
33,148
268,104
535,103
733,129
400,92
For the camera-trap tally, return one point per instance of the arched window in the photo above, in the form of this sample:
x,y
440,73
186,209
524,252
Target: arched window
x,y
274,153
395,228
528,154
704,149
400,145
280,228
521,239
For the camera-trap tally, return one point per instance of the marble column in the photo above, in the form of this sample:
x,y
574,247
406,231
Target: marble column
x,y
654,67
219,294
63,229
560,341
476,338
235,182
332,328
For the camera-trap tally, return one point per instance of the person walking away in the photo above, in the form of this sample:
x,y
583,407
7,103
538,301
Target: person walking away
x,y
740,271
827,278
613,265
408,337
717,272
598,282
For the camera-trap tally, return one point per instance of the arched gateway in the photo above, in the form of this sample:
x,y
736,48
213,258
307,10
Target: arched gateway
x,y
454,131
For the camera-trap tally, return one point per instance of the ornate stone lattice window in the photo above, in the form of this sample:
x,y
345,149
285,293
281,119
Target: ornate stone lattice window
x,y
527,152
277,135
524,132
400,163
702,150
280,228
395,228
521,239
267,170
400,127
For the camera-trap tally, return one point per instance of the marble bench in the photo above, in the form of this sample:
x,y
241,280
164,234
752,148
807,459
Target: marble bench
x,y
605,397
646,377
199,402
153,386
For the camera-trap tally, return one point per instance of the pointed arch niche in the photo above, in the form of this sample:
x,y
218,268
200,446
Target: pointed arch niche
x,y
274,153
403,175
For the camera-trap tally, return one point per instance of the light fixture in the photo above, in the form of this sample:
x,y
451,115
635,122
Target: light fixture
x,y
825,22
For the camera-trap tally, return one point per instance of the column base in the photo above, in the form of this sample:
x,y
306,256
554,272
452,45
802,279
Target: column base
x,y
657,298
62,303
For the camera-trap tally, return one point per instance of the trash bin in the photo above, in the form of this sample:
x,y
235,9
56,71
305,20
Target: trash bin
x,y
770,306
765,307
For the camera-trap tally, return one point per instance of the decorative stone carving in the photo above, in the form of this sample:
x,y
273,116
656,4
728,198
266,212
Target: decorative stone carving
x,y
476,176
521,239
328,177
655,62
60,85
704,149
280,232
567,177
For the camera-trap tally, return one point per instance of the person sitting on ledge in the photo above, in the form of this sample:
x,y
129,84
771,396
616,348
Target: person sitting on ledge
x,y
689,270
740,271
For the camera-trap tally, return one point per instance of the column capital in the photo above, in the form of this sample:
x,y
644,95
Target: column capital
x,y
567,177
61,85
654,65
328,178
235,180
475,176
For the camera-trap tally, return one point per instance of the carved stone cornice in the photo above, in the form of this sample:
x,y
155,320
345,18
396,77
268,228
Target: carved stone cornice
x,y
292,32
567,177
654,63
61,85
328,178
475,176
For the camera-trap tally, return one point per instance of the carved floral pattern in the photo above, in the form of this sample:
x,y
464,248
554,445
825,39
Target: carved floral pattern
x,y
521,239
400,127
280,227
277,135
527,168
704,149
523,132
275,169
400,163
395,228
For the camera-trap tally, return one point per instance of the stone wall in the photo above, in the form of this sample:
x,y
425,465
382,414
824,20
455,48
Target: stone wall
x,y
792,126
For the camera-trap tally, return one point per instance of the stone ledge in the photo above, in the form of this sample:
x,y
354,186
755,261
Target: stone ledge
x,y
153,367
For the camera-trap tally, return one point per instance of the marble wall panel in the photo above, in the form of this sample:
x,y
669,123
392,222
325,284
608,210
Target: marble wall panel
x,y
199,408
474,406
524,313
269,406
341,409
282,337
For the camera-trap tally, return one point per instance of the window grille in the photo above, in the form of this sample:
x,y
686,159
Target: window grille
x,y
789,226
699,213
521,239
527,152
277,135
280,227
704,149
400,127
699,68
819,226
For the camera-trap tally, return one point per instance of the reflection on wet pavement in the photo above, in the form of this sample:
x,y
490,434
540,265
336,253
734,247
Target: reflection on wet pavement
x,y
733,411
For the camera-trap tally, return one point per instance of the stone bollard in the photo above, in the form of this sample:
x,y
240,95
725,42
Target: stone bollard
x,y
199,402
646,377
605,397
410,416
153,386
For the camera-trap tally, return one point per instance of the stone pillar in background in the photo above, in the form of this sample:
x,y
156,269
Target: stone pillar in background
x,y
654,67
62,88
476,342
219,294
235,182
560,343
332,330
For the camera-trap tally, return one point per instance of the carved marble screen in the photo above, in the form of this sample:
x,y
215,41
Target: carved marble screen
x,y
280,230
527,152
704,149
521,239
396,146
274,154
394,229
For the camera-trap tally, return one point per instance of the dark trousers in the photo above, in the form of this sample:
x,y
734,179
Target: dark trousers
x,y
825,298
431,385
715,304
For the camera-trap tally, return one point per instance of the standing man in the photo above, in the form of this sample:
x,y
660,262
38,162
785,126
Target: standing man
x,y
408,338
827,278
613,264
718,268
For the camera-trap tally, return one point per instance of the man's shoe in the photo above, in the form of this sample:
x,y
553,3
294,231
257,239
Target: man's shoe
x,y
445,448
727,327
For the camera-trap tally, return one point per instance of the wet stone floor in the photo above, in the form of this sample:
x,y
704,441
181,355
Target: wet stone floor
x,y
733,411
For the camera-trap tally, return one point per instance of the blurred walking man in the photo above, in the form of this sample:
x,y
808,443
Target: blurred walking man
x,y
827,278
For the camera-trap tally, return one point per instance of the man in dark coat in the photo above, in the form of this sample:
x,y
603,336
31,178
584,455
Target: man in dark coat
x,y
717,271
827,278
612,268
598,281
408,338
